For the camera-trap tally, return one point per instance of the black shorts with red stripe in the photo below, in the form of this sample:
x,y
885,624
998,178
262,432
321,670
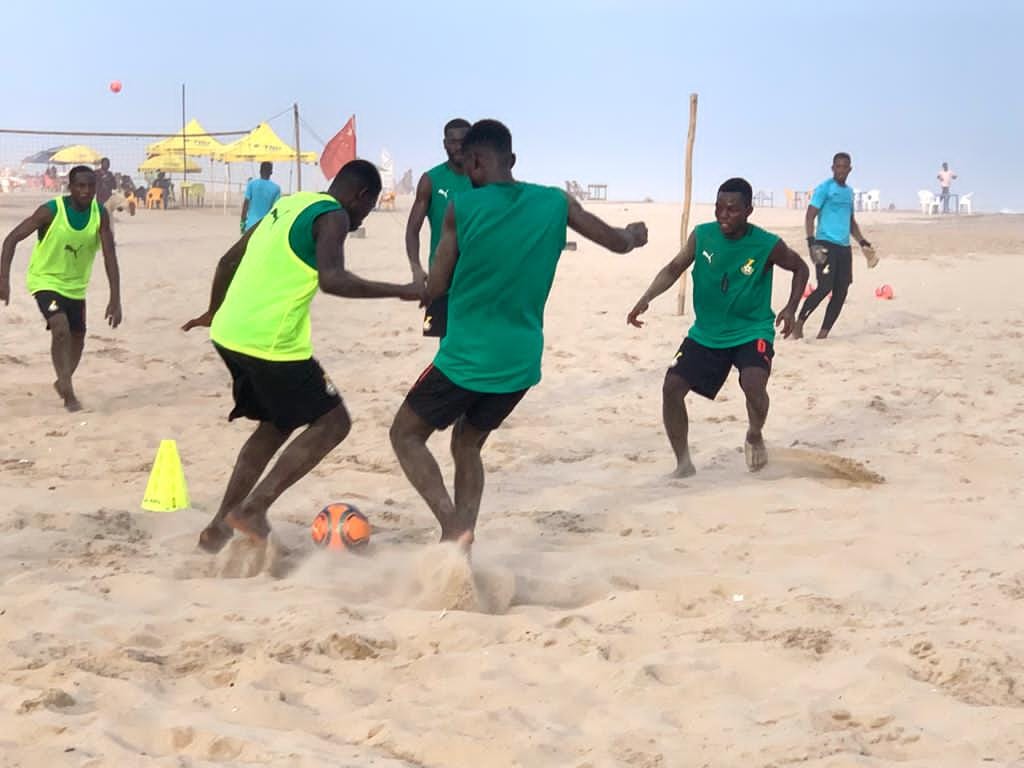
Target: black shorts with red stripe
x,y
441,402
705,369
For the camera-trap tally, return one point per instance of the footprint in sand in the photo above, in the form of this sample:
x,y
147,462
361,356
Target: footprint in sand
x,y
818,465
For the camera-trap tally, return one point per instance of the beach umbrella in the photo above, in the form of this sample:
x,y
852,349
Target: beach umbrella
x,y
42,158
76,154
196,143
262,144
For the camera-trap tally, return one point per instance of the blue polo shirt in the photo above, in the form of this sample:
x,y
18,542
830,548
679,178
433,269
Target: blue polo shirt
x,y
835,207
261,194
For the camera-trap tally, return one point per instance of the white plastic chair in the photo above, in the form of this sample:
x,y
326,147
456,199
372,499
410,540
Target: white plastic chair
x,y
965,203
929,202
873,200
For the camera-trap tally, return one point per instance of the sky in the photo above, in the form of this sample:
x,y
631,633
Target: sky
x,y
592,91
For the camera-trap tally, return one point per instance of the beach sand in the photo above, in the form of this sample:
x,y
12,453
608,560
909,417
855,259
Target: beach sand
x,y
858,603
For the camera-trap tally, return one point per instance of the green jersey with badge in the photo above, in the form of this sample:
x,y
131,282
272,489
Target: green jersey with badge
x,y
62,258
265,313
444,185
510,239
732,287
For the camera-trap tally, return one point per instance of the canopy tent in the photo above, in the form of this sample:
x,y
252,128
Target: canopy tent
x,y
169,164
194,143
262,144
43,158
76,154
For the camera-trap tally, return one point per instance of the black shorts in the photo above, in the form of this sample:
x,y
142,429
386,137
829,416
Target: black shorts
x,y
435,319
288,394
440,402
705,369
837,269
52,303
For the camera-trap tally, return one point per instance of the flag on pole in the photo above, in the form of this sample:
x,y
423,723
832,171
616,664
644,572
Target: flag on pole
x,y
339,150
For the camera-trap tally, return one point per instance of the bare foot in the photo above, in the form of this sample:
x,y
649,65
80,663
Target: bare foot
x,y
465,541
214,537
68,396
755,452
683,470
822,334
798,330
250,519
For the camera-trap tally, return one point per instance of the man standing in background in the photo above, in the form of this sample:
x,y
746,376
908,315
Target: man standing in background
x,y
105,182
260,196
945,178
436,189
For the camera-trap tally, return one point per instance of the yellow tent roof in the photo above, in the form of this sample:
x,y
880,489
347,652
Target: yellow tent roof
x,y
197,143
170,164
76,153
262,144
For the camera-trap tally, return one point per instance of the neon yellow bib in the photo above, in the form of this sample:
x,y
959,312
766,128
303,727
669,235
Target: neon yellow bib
x,y
62,260
265,313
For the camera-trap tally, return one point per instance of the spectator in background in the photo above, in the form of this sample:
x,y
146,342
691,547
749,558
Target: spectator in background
x,y
945,178
260,196
106,182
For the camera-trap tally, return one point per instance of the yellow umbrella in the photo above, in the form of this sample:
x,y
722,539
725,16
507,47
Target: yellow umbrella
x,y
262,144
170,164
196,143
76,154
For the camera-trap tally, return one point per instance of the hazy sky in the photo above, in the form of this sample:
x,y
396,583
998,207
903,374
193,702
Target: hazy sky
x,y
594,91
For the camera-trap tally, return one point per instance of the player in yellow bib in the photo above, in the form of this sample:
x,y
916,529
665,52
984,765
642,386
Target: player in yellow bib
x,y
259,324
70,230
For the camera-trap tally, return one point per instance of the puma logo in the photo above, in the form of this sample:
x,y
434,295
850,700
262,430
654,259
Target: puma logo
x,y
73,251
273,212
443,193
707,255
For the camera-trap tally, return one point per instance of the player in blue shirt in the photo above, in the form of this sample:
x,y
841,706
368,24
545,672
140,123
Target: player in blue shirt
x,y
260,196
832,206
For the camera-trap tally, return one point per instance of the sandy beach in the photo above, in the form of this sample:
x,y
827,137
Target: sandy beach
x,y
859,603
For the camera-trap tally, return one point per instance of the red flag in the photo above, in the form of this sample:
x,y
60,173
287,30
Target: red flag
x,y
339,150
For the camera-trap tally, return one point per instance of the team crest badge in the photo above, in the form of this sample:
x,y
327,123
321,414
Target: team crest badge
x,y
748,268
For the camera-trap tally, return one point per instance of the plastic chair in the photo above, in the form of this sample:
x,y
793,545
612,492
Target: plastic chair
x,y
154,197
965,203
193,194
929,202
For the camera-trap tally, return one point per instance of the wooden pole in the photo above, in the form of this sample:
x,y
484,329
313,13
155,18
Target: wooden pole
x,y
184,150
684,227
298,150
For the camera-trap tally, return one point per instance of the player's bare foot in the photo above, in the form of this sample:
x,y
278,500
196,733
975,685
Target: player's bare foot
x,y
755,452
683,470
250,519
67,394
465,542
798,330
822,334
214,537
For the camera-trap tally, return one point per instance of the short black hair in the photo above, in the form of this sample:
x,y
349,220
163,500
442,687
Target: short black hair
x,y
357,174
740,187
841,156
491,134
267,166
77,170
458,122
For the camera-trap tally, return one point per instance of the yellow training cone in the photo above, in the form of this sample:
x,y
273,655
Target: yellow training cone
x,y
166,490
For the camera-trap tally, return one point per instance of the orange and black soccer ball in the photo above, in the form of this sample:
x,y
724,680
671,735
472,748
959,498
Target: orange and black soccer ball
x,y
341,526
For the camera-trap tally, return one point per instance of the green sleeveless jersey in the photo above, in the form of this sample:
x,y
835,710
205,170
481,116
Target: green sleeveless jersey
x,y
510,239
62,260
444,185
265,313
732,287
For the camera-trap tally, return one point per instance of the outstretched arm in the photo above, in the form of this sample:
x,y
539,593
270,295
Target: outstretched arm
x,y
42,217
226,268
113,313
665,279
417,214
440,278
618,240
330,231
786,258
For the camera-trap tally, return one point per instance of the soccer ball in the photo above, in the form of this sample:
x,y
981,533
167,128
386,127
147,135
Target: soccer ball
x,y
340,526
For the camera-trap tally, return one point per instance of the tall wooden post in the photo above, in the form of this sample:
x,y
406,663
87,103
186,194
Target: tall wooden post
x,y
298,151
684,227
